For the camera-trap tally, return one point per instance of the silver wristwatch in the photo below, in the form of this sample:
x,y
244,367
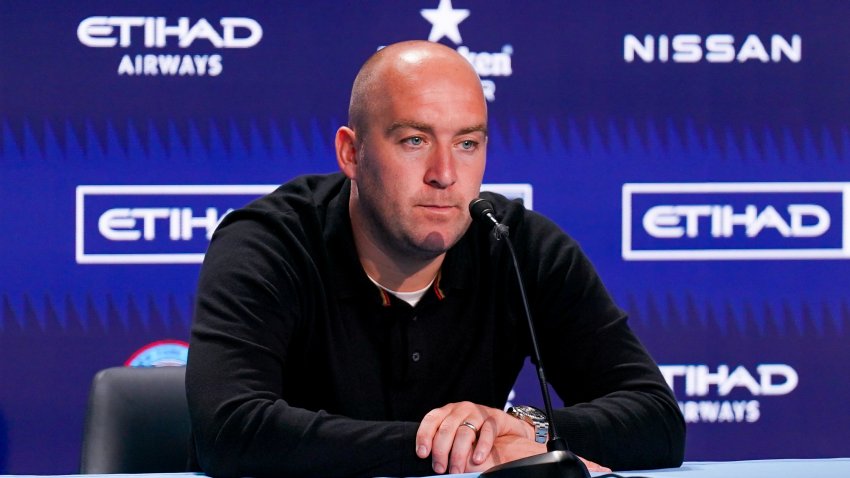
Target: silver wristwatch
x,y
533,417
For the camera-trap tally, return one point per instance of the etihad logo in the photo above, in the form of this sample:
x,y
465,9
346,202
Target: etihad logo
x,y
158,33
717,48
167,224
727,395
445,23
700,381
736,221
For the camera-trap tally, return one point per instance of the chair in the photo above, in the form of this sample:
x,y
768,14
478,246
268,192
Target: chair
x,y
137,421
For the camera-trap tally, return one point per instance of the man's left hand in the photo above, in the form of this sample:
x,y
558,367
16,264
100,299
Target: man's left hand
x,y
445,433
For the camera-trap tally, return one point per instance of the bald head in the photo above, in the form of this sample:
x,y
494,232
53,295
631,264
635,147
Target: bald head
x,y
401,63
415,152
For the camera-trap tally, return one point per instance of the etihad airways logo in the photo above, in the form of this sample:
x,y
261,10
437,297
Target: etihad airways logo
x,y
445,21
153,224
157,33
723,394
736,221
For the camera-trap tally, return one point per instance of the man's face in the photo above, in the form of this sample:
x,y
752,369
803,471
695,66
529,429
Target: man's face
x,y
422,161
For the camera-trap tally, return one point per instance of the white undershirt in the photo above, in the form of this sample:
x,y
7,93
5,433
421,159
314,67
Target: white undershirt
x,y
411,298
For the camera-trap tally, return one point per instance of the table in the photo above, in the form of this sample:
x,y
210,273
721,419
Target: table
x,y
787,468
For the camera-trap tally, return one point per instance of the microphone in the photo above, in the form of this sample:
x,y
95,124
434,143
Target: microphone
x,y
559,461
482,210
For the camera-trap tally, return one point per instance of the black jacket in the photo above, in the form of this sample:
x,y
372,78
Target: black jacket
x,y
300,366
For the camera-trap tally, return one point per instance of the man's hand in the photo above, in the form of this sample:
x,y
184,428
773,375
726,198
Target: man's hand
x,y
445,433
510,447
454,446
506,448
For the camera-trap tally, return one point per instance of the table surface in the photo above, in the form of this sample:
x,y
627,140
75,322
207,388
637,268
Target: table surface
x,y
786,468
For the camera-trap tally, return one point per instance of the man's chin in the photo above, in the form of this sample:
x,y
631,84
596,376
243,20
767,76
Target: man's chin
x,y
435,244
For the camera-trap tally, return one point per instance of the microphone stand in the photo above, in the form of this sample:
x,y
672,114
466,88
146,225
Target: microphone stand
x,y
558,461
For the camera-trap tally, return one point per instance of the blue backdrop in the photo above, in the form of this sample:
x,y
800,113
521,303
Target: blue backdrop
x,y
698,150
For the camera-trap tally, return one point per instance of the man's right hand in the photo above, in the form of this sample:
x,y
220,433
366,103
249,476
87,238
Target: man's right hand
x,y
510,447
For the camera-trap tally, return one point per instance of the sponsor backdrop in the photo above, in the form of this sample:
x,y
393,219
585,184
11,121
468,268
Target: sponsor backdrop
x,y
699,151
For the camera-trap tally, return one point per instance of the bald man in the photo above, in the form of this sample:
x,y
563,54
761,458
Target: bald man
x,y
358,323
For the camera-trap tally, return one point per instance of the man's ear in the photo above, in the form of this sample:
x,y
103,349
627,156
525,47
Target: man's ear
x,y
346,151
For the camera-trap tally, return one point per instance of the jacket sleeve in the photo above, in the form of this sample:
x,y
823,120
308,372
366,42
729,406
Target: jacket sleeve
x,y
619,411
248,307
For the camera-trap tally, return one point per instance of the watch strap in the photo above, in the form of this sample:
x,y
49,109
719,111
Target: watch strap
x,y
534,417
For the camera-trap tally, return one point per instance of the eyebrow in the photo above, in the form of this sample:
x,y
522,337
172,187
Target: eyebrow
x,y
430,130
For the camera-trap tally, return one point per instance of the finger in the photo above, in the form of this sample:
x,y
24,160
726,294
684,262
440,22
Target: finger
x,y
443,442
464,440
427,429
486,438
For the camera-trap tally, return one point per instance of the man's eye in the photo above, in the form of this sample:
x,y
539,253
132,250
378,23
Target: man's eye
x,y
414,141
468,144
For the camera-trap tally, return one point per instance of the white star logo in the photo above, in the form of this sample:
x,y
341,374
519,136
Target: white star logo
x,y
444,21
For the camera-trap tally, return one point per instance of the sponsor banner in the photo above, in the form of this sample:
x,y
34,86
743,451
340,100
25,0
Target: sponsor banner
x,y
736,221
172,224
168,42
715,48
583,99
725,394
445,23
168,224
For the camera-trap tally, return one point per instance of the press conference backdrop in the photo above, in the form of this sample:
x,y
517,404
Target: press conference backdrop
x,y
699,151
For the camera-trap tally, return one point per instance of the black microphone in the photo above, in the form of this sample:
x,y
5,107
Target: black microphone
x,y
482,210
559,461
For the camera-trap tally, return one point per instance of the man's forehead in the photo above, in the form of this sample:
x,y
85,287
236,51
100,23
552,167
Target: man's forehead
x,y
402,124
455,109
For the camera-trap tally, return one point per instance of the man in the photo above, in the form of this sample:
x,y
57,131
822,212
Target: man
x,y
358,324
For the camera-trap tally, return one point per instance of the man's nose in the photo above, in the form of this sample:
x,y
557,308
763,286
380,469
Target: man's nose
x,y
441,169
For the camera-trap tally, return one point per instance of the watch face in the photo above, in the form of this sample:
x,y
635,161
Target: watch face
x,y
530,411
535,418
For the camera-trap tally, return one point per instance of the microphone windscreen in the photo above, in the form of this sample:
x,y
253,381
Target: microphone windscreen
x,y
479,209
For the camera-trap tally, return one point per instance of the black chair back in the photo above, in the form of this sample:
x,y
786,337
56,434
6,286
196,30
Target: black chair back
x,y
137,421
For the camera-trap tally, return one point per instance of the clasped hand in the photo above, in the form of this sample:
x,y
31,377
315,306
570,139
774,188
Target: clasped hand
x,y
457,448
448,434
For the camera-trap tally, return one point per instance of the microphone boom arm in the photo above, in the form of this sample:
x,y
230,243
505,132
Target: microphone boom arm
x,y
559,461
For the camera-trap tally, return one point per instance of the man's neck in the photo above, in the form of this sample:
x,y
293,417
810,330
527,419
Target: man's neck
x,y
401,277
393,270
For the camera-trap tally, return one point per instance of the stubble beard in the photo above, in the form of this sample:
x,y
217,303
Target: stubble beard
x,y
395,234
394,229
